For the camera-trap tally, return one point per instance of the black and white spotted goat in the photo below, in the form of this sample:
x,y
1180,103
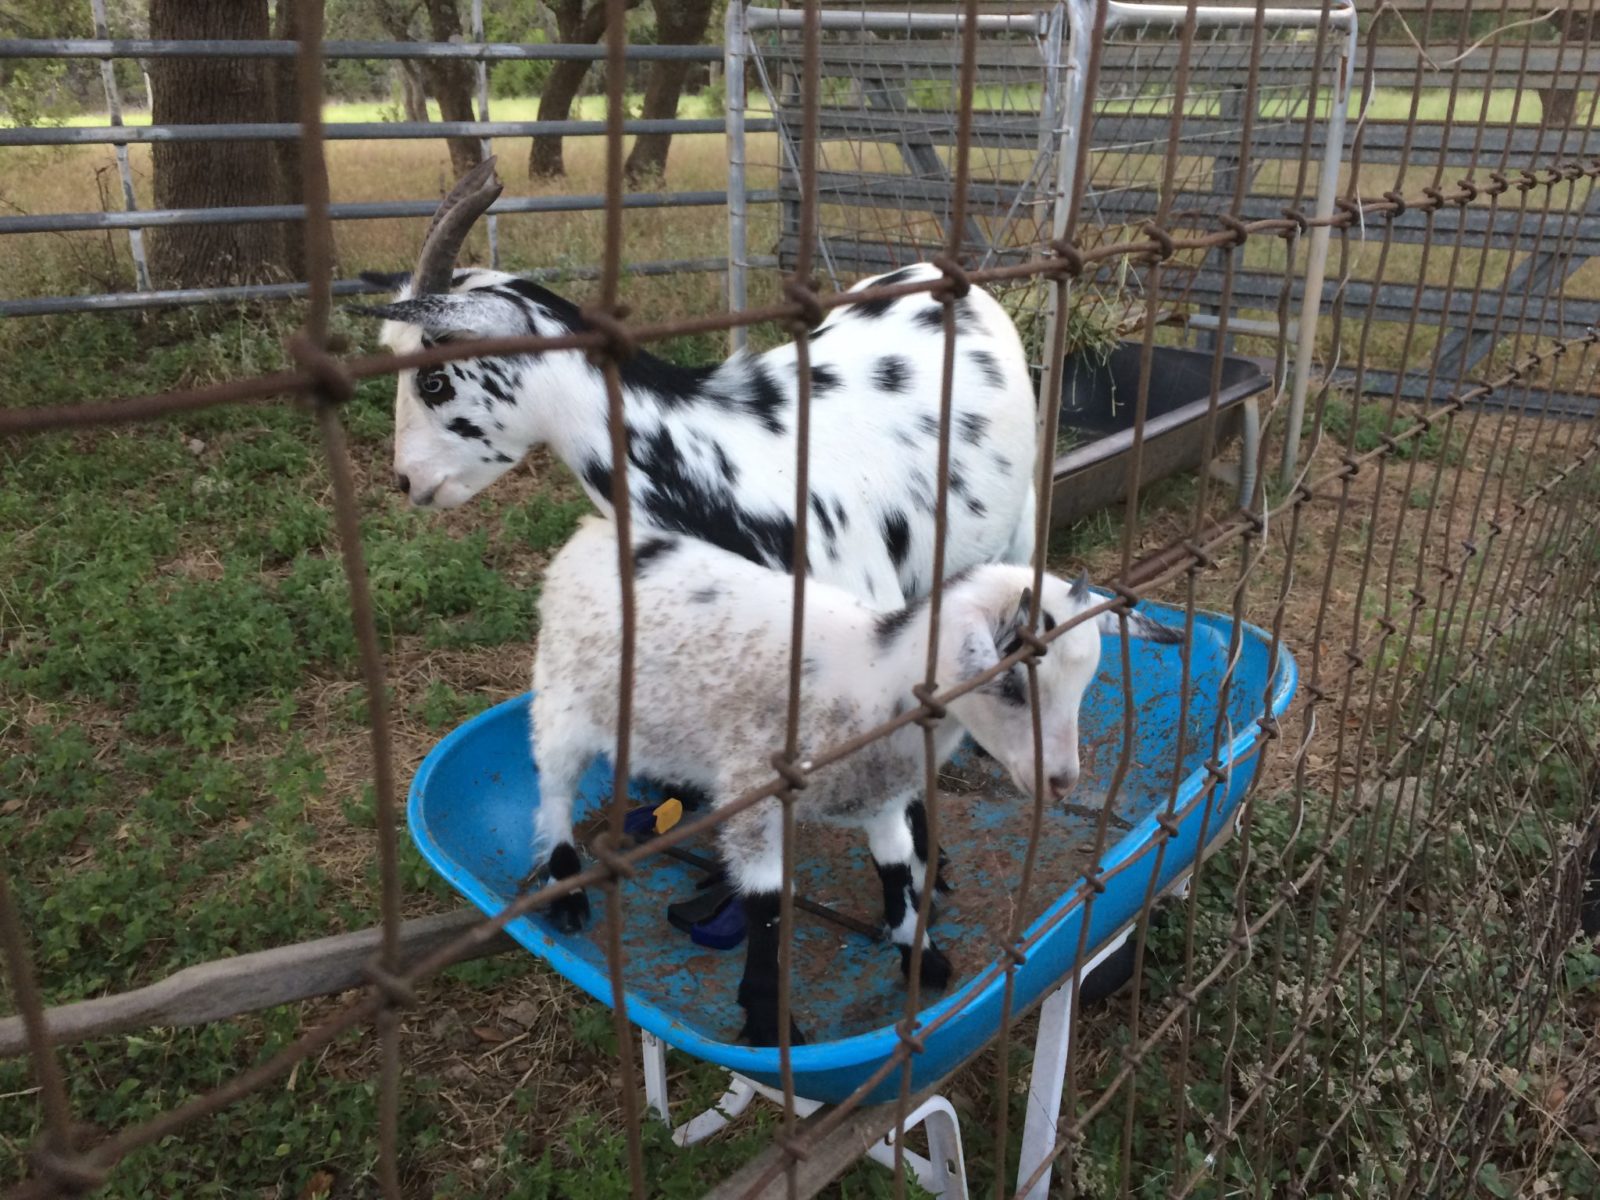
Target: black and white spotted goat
x,y
712,450
711,695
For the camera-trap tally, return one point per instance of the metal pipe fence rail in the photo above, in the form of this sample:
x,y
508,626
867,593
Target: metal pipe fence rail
x,y
135,220
1433,636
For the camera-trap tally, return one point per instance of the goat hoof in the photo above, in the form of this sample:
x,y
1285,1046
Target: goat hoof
x,y
936,969
569,913
762,1030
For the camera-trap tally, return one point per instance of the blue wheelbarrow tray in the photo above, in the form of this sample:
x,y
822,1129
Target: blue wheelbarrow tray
x,y
471,815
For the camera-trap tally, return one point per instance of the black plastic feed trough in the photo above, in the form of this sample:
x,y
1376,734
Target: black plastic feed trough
x,y
1098,400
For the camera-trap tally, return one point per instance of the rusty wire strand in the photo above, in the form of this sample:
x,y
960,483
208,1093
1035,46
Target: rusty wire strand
x,y
1485,588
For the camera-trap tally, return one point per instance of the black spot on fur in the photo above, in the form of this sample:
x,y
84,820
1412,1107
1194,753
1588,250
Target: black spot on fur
x,y
875,308
928,424
977,507
820,510
896,277
647,551
705,595
931,318
1012,688
840,515
973,426
889,626
823,380
681,502
990,366
896,537
598,476
462,427
892,374
725,465
765,399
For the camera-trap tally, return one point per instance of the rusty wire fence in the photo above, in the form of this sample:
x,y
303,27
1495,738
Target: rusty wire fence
x,y
1354,996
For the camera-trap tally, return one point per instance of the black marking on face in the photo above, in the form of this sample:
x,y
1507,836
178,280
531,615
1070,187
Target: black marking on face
x,y
464,428
892,373
973,426
649,550
990,366
896,537
823,380
434,386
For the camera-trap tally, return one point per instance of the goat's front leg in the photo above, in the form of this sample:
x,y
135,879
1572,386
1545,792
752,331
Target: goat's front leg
x,y
917,818
752,850
894,853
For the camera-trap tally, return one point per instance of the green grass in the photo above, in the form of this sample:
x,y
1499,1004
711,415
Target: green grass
x,y
182,772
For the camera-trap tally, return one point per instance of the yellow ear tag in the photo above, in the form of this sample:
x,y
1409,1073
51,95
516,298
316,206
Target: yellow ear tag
x,y
668,814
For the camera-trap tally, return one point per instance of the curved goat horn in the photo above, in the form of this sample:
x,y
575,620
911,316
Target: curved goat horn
x,y
473,193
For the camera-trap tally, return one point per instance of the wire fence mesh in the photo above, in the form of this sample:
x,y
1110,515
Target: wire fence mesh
x,y
1355,995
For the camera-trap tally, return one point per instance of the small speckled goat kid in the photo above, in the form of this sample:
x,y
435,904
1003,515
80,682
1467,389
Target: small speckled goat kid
x,y
712,449
710,702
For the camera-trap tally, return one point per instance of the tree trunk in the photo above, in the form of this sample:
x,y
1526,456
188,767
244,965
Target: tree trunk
x,y
413,92
678,23
201,91
450,81
574,25
1559,106
284,79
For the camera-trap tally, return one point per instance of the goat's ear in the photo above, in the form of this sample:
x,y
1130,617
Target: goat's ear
x,y
436,314
1139,626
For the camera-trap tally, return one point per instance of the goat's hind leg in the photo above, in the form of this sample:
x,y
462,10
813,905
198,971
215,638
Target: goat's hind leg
x,y
894,853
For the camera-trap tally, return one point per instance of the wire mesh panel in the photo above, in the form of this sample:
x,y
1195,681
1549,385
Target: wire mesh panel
x,y
1337,826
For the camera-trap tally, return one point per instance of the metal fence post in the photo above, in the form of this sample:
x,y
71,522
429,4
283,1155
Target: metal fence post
x,y
1317,256
734,48
108,78
481,67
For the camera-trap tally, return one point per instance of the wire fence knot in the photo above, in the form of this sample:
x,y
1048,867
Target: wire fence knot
x,y
1300,224
1012,952
1166,247
330,382
608,855
793,776
1240,231
396,990
908,1038
1397,204
802,293
956,284
616,342
74,1174
932,710
1070,258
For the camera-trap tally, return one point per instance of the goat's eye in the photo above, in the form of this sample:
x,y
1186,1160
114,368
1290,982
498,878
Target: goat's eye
x,y
1014,645
432,383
